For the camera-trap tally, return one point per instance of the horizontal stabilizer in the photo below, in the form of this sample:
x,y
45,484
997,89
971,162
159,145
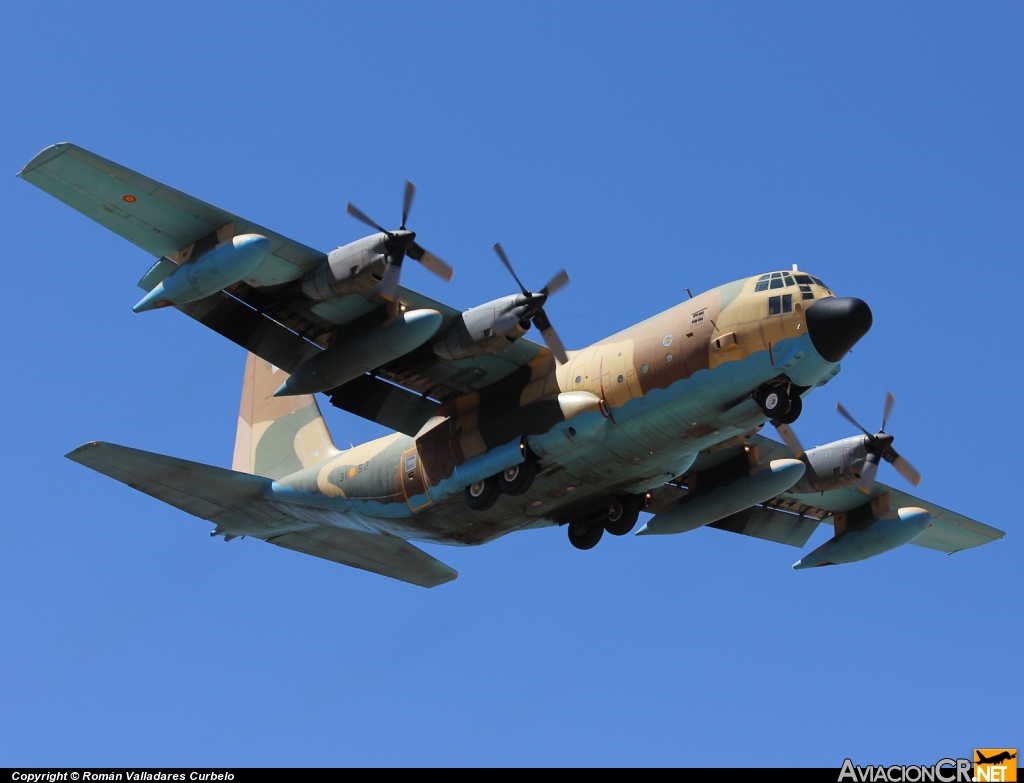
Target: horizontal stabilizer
x,y
375,552
204,491
236,502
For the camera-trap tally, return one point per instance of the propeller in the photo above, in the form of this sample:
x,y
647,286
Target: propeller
x,y
534,306
879,447
400,243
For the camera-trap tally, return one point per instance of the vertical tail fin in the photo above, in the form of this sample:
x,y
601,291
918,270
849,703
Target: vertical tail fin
x,y
277,435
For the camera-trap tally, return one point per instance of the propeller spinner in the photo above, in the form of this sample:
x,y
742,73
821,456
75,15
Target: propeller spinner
x,y
535,305
879,447
400,243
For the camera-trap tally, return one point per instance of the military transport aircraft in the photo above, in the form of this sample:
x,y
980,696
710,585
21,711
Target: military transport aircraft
x,y
494,433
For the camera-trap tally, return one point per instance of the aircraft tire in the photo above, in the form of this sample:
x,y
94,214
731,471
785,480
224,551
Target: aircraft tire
x,y
483,494
584,534
622,515
518,479
796,406
775,402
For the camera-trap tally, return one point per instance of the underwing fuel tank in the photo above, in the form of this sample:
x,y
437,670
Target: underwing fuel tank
x,y
880,534
764,482
204,276
349,360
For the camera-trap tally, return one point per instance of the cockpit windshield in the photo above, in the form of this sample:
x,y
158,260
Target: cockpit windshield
x,y
787,280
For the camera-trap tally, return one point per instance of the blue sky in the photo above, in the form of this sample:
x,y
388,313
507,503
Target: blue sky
x,y
644,147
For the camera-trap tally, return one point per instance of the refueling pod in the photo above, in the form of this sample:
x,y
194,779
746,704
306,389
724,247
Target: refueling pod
x,y
868,531
353,358
223,265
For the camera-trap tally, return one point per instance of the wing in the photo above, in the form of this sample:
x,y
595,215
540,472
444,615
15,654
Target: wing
x,y
790,516
262,313
235,502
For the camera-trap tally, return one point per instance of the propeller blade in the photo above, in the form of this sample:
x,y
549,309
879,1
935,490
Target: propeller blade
x,y
389,286
903,467
504,259
867,476
430,261
547,331
789,438
410,191
556,283
845,414
889,402
359,215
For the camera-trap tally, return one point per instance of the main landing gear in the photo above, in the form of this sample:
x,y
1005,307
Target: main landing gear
x,y
618,518
513,481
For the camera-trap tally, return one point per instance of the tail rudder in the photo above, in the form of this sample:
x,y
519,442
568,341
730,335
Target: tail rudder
x,y
277,436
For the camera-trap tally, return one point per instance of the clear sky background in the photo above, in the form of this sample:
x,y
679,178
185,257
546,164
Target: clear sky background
x,y
644,147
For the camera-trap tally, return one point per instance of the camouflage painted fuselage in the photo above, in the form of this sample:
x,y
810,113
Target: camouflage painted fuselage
x,y
671,386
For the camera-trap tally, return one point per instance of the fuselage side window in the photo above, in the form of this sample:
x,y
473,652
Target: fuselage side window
x,y
774,305
787,303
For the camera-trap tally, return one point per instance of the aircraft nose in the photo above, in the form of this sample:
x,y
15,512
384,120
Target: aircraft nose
x,y
835,325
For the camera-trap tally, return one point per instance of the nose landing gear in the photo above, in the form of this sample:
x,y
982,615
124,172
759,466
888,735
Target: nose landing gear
x,y
780,401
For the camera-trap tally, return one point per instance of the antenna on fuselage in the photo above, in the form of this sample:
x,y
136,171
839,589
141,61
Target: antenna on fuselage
x,y
688,291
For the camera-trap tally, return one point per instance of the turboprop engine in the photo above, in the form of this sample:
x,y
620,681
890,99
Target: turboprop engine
x,y
495,325
844,462
349,269
204,275
867,531
485,328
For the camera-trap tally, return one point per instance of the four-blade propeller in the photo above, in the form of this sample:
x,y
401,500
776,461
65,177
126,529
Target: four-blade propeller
x,y
400,243
535,306
879,446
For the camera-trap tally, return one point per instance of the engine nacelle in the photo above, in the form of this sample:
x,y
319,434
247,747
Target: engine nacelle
x,y
833,465
348,270
485,328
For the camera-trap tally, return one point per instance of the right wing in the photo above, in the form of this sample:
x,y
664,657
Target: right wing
x,y
264,314
235,502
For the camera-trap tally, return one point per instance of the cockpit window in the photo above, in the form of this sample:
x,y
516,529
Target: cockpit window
x,y
787,279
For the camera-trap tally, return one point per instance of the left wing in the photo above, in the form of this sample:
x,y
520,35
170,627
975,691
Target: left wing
x,y
263,313
791,518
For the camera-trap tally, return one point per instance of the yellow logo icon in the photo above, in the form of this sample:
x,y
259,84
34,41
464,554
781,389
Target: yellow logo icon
x,y
995,764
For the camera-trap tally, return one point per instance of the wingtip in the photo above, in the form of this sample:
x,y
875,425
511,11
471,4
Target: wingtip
x,y
44,155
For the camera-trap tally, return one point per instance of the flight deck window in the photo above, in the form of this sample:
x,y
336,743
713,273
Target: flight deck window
x,y
818,281
790,281
787,303
805,292
776,282
762,285
774,305
803,279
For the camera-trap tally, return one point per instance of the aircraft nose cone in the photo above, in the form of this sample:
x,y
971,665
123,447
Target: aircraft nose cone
x,y
835,325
